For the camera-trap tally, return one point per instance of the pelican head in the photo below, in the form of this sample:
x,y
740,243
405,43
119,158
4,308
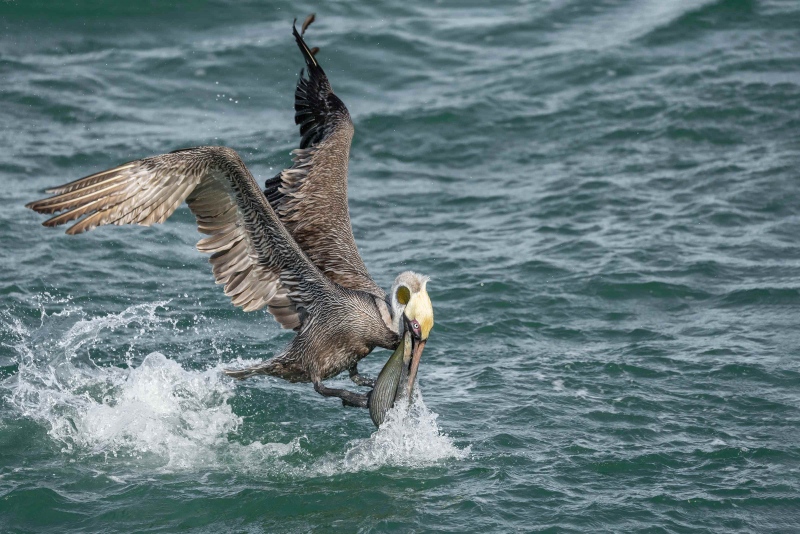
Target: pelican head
x,y
412,305
412,314
410,291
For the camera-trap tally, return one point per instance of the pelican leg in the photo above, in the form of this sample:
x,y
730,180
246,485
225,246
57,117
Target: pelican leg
x,y
356,400
361,380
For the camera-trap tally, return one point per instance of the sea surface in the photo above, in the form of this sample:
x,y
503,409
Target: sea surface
x,y
606,196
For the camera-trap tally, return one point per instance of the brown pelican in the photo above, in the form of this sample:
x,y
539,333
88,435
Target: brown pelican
x,y
289,248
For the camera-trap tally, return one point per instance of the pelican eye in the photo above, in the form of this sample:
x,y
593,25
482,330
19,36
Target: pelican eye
x,y
415,326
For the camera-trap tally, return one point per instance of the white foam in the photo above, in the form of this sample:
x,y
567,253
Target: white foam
x,y
160,416
161,409
409,437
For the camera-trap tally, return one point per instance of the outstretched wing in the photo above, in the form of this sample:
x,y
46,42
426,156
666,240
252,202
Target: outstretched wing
x,y
253,257
310,198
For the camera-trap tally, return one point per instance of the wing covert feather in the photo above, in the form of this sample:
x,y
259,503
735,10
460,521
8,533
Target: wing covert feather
x,y
252,256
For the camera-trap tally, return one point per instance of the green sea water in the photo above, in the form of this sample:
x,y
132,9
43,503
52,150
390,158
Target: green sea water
x,y
606,196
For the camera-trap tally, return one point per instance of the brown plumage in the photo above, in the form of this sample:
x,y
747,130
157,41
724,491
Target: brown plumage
x,y
311,196
289,249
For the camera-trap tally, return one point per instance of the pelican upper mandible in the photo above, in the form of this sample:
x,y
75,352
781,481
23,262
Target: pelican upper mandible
x,y
289,248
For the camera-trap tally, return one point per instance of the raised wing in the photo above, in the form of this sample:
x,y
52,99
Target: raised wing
x,y
253,256
310,198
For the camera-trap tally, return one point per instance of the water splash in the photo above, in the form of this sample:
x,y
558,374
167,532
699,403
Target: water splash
x,y
161,409
154,410
159,416
409,437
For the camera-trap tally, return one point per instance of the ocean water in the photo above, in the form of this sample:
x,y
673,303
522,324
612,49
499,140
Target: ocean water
x,y
606,196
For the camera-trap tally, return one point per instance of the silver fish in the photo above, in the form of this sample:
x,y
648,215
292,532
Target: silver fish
x,y
393,381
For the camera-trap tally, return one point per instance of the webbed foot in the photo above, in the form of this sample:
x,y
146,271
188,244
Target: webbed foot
x,y
349,398
361,380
